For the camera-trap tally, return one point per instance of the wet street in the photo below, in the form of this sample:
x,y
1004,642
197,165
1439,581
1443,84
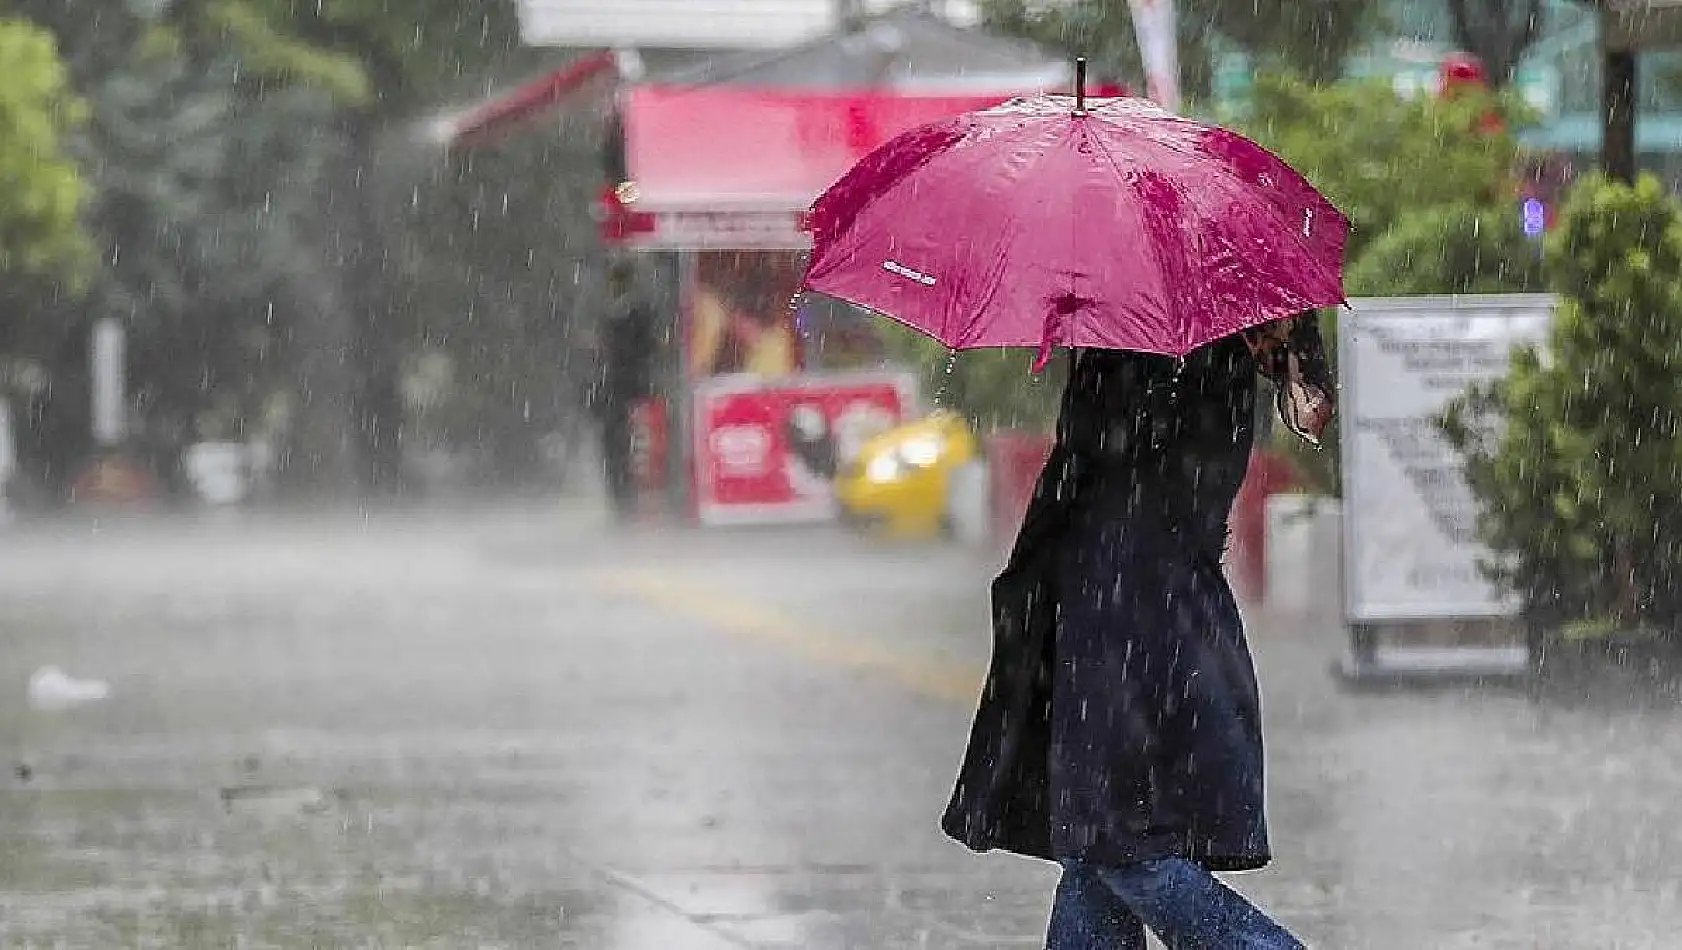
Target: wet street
x,y
514,729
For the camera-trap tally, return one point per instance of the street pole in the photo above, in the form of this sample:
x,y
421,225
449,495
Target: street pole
x,y
107,370
1618,76
8,458
849,14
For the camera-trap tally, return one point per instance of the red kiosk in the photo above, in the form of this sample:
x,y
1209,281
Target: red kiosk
x,y
714,166
717,167
774,399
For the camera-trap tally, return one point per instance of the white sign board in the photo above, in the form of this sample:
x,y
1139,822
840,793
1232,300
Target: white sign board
x,y
735,230
697,24
1410,521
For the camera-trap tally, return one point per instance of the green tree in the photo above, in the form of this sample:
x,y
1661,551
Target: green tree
x,y
503,299
188,209
259,197
192,203
43,249
1381,157
1574,456
1429,189
1451,249
41,189
384,64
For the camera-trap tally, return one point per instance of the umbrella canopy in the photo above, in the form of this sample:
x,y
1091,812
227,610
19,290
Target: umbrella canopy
x,y
1052,221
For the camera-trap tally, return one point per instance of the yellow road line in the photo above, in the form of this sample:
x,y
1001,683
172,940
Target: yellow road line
x,y
747,619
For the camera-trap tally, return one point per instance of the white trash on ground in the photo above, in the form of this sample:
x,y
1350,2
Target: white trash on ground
x,y
51,690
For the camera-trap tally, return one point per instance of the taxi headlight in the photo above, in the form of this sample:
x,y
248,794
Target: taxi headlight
x,y
921,452
884,468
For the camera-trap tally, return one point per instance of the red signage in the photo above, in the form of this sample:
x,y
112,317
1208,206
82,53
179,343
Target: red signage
x,y
768,452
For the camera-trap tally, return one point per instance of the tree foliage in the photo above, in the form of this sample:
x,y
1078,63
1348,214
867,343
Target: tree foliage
x,y
283,246
1452,249
1381,157
41,189
1575,455
381,64
373,55
1429,188
187,209
504,295
992,388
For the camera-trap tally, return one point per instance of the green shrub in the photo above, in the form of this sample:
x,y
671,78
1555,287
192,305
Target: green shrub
x,y
993,388
1451,249
1576,456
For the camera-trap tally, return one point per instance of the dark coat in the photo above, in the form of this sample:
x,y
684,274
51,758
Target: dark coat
x,y
1120,719
628,350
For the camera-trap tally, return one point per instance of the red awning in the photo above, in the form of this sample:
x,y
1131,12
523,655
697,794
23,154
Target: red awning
x,y
736,167
719,148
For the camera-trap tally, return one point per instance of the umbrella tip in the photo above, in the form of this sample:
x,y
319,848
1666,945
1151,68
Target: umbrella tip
x,y
1080,85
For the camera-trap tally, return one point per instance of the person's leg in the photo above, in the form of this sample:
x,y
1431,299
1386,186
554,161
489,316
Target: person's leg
x,y
1189,909
1087,915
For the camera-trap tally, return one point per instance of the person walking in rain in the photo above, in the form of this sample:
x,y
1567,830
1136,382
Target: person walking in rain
x,y
1119,729
627,353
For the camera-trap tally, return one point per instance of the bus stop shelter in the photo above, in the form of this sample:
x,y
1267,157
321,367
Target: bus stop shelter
x,y
1628,28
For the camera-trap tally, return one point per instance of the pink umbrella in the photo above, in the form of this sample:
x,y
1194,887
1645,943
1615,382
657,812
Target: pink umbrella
x,y
1056,221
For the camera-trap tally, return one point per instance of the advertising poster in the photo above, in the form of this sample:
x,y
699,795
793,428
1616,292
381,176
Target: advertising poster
x,y
768,452
741,318
1410,520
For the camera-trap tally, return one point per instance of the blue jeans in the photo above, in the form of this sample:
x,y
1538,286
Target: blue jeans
x,y
1100,908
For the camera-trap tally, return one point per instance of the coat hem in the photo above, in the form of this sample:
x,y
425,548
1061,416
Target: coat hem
x,y
1224,863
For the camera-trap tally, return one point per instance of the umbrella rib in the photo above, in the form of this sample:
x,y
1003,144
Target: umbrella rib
x,y
992,285
1285,224
960,128
1225,183
1122,180
1180,148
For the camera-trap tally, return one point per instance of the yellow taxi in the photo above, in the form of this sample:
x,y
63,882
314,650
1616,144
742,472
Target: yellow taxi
x,y
900,480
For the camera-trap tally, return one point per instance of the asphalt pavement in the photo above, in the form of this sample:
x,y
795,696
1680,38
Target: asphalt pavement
x,y
516,727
